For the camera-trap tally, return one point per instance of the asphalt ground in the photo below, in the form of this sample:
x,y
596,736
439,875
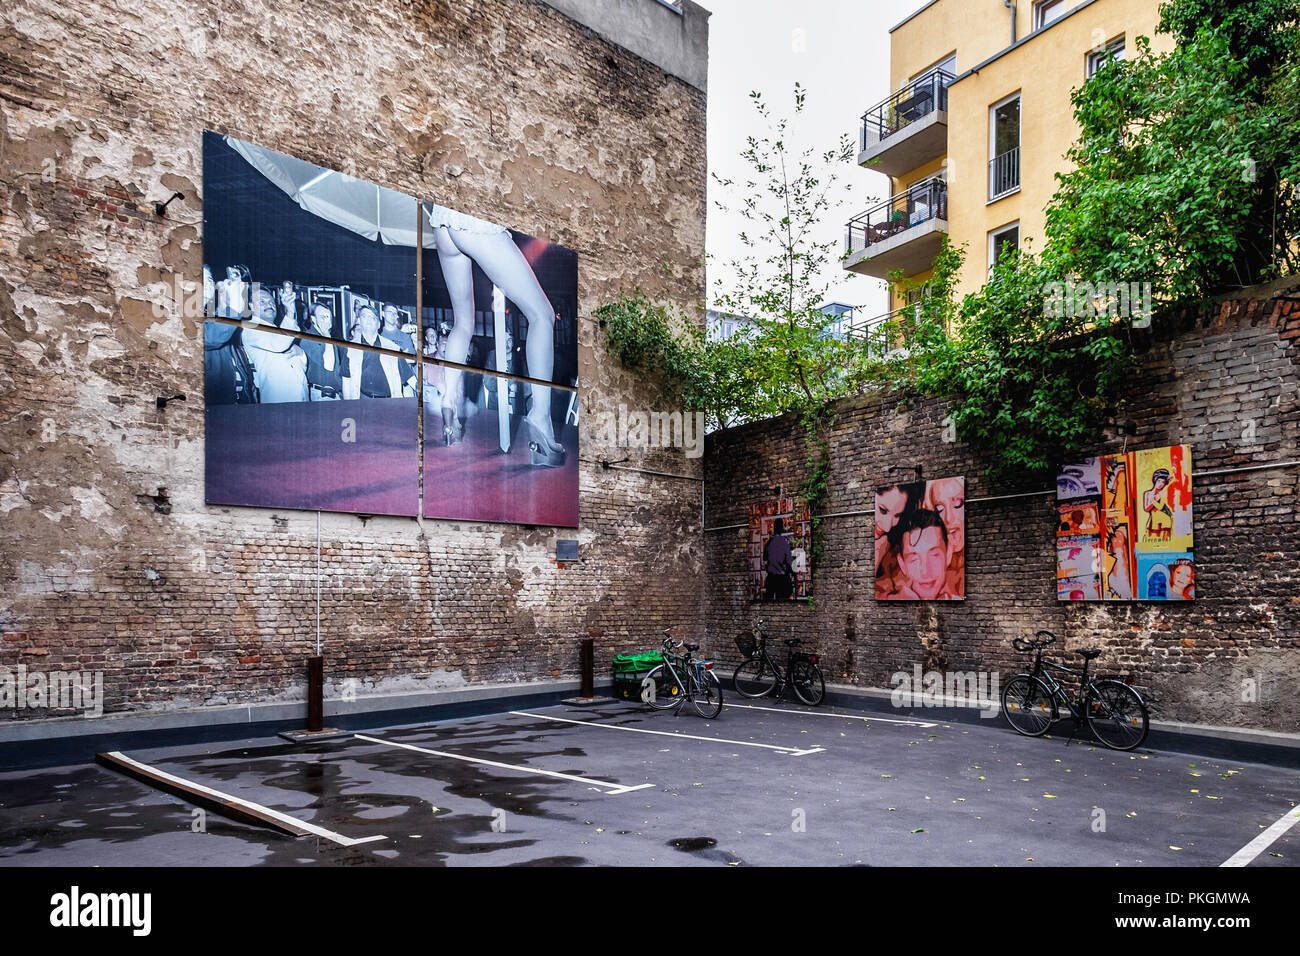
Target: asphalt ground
x,y
618,784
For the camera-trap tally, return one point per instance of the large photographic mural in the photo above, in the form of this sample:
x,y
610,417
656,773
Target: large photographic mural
x,y
339,310
1125,527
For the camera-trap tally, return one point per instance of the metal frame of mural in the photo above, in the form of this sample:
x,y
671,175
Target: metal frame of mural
x,y
1124,530
920,540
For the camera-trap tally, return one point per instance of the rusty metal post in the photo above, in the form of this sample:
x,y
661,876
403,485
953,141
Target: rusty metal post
x,y
587,664
315,694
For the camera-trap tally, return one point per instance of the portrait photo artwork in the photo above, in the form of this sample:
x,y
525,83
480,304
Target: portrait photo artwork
x,y
1124,530
920,540
780,538
339,313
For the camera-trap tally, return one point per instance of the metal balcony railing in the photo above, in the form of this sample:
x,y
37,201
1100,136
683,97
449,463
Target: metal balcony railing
x,y
1004,173
915,101
884,333
919,203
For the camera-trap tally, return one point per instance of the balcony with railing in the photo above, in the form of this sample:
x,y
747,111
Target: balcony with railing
x,y
905,232
907,129
1004,174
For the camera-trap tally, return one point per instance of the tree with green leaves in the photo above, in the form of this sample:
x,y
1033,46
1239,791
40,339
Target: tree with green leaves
x,y
1186,164
1184,177
794,363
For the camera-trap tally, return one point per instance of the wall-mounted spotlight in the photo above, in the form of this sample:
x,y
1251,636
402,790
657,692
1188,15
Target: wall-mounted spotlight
x,y
161,207
162,400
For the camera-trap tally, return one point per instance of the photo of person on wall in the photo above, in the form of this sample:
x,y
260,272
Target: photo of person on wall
x,y
920,540
780,538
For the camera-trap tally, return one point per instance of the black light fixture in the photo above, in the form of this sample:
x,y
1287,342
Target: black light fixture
x,y
162,400
607,464
161,207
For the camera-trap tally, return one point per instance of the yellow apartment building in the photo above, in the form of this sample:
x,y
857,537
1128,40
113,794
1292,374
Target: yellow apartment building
x,y
978,125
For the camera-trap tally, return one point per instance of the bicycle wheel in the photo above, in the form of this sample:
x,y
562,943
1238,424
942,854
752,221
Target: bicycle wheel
x,y
668,692
808,683
1027,705
706,695
753,678
1116,714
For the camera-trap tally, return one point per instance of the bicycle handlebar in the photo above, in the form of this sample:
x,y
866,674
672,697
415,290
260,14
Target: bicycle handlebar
x,y
1040,640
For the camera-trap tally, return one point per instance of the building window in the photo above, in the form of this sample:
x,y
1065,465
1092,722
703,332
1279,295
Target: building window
x,y
1048,10
1004,147
1114,50
948,66
1003,241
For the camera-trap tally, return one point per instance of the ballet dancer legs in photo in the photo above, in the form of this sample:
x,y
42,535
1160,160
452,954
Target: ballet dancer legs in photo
x,y
461,242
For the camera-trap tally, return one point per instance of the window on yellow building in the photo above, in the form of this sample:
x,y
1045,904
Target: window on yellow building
x,y
1045,11
1114,50
1002,242
1004,147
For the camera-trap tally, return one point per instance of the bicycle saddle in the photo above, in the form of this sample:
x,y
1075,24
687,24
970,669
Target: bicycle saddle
x,y
1088,655
793,641
692,647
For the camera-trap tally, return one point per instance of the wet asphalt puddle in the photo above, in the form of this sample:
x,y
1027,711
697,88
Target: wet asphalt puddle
x,y
618,784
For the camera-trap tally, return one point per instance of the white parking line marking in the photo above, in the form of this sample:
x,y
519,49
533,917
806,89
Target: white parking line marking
x,y
614,788
282,817
818,713
1262,842
788,751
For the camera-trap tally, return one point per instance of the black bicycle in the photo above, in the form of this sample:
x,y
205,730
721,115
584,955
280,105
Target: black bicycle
x,y
759,675
1032,702
679,679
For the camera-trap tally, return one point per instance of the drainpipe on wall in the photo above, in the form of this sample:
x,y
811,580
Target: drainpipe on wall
x,y
1010,5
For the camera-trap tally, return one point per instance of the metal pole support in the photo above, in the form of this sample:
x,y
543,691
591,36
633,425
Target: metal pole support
x,y
315,694
587,664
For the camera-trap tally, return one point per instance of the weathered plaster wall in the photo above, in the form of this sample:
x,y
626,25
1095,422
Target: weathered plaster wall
x,y
111,560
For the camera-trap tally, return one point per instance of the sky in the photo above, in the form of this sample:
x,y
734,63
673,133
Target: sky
x,y
839,51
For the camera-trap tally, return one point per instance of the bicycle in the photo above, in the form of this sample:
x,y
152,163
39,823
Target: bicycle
x,y
679,679
759,675
1032,702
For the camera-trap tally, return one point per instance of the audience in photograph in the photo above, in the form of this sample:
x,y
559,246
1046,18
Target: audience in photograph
x,y
327,365
255,366
227,374
279,363
290,308
233,293
373,375
400,334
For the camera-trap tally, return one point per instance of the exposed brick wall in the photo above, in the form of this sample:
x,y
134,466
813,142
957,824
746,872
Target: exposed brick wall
x,y
111,560
1224,380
